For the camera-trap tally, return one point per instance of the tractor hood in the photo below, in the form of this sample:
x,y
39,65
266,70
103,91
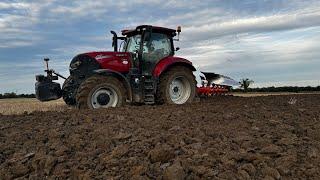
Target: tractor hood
x,y
117,61
102,60
88,62
90,58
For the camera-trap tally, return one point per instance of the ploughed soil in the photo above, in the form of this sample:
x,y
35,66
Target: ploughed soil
x,y
273,137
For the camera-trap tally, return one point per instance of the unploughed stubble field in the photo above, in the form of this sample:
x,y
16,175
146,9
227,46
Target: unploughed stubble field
x,y
25,105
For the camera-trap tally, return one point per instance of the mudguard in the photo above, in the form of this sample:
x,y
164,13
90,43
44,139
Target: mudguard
x,y
121,77
170,61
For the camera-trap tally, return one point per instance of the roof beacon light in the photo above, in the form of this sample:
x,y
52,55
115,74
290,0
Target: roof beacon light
x,y
46,61
179,31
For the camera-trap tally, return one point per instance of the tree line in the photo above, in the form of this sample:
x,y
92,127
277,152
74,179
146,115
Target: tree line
x,y
15,95
245,83
295,89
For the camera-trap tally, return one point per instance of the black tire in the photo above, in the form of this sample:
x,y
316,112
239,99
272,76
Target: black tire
x,y
68,92
163,94
91,85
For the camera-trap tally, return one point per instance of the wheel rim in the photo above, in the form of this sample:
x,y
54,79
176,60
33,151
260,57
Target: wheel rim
x,y
180,90
104,98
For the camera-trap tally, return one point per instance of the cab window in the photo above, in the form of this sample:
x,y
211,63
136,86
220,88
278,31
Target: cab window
x,y
157,48
133,43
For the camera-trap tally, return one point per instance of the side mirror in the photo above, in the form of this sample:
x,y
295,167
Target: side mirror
x,y
177,48
114,41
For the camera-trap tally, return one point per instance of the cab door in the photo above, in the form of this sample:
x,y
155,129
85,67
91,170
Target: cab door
x,y
154,48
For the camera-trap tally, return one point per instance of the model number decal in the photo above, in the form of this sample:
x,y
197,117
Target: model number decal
x,y
100,56
121,55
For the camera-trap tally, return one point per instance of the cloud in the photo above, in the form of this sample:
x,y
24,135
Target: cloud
x,y
265,40
18,21
277,22
13,44
7,5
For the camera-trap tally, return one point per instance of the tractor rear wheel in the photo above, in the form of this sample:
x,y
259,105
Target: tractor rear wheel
x,y
177,86
100,92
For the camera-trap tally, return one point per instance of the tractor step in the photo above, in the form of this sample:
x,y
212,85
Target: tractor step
x,y
149,90
149,87
149,99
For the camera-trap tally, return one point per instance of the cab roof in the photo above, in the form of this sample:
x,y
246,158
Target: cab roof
x,y
168,31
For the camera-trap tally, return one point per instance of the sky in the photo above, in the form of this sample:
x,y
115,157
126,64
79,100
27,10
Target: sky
x,y
273,42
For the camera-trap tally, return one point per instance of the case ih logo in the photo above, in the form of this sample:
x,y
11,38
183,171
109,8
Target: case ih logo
x,y
100,56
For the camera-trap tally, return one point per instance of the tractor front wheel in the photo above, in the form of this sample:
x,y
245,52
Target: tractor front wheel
x,y
100,92
68,91
177,86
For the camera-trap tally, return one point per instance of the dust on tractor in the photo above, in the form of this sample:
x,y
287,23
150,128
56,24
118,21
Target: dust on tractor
x,y
143,70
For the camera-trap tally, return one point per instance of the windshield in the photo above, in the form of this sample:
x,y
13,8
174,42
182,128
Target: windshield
x,y
133,43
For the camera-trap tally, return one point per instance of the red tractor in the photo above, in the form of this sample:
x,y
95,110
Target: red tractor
x,y
143,70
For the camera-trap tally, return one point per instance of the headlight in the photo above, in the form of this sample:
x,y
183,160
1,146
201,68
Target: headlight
x,y
75,65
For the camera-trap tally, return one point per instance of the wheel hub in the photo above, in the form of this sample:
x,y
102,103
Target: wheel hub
x,y
180,90
103,99
175,89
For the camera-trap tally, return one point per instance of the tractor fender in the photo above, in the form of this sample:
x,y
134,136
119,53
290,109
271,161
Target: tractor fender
x,y
121,77
169,62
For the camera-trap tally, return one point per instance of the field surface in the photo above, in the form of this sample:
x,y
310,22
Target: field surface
x,y
271,137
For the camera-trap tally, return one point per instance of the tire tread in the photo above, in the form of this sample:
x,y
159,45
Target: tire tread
x,y
92,82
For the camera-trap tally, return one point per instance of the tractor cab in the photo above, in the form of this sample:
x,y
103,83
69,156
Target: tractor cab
x,y
148,45
152,52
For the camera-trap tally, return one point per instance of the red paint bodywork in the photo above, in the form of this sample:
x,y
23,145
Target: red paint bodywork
x,y
121,62
117,61
163,64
